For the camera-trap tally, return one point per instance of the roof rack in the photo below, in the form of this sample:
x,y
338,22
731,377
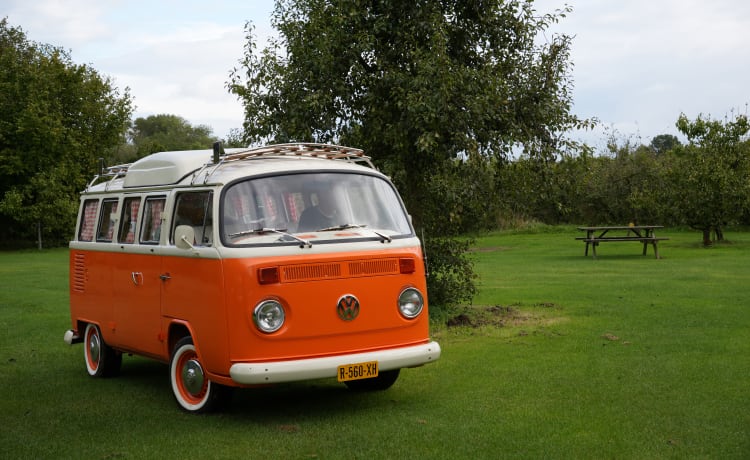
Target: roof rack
x,y
328,151
299,149
112,172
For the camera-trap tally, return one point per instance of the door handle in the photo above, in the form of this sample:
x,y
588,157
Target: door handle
x,y
165,276
135,276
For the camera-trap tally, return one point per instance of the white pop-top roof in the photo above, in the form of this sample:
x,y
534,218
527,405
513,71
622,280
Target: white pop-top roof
x,y
164,168
198,167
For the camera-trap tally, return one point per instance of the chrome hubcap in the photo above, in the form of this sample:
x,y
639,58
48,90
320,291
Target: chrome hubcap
x,y
94,348
193,377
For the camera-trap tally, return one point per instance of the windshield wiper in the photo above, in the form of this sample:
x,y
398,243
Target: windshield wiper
x,y
341,227
384,238
280,231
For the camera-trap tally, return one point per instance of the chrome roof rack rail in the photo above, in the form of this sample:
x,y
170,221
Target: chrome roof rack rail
x,y
112,172
306,149
297,149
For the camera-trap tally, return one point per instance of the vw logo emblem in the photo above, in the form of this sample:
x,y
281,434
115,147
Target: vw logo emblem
x,y
348,307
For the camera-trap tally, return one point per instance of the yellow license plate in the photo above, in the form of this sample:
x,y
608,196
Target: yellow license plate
x,y
357,371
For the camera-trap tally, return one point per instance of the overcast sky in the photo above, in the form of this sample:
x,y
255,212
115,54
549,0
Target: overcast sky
x,y
638,64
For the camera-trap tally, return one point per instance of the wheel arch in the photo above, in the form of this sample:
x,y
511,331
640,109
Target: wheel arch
x,y
177,331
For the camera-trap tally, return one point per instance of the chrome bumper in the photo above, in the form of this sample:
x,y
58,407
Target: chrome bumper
x,y
72,337
319,368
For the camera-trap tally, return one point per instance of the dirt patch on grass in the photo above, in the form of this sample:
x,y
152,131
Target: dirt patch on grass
x,y
502,316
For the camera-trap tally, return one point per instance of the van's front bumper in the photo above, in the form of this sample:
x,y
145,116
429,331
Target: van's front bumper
x,y
319,368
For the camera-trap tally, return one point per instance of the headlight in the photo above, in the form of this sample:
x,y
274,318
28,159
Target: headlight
x,y
410,303
269,316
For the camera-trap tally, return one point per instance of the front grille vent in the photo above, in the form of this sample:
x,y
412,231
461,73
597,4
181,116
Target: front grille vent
x,y
332,270
311,272
373,267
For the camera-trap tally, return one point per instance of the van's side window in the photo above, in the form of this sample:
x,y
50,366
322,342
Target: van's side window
x,y
129,219
88,220
152,219
194,209
107,219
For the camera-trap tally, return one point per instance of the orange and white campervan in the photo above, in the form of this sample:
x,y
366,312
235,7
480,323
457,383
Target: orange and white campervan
x,y
276,264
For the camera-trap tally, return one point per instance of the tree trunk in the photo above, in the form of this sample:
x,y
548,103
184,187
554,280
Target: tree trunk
x,y
718,233
707,236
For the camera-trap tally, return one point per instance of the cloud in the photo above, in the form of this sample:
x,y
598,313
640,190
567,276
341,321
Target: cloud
x,y
79,21
640,63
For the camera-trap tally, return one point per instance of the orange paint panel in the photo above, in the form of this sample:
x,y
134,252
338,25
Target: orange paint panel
x,y
90,283
193,294
313,326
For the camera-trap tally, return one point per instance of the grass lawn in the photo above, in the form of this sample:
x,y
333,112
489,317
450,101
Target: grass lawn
x,y
560,356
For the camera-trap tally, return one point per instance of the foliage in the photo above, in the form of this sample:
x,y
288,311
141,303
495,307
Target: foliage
x,y
704,184
711,175
235,138
415,84
56,119
164,132
425,79
663,143
450,275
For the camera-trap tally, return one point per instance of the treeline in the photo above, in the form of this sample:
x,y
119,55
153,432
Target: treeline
x,y
703,184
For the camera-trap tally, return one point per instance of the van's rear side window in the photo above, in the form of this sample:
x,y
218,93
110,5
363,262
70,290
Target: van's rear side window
x,y
88,220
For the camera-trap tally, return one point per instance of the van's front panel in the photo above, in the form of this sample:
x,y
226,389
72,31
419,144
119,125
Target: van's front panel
x,y
334,304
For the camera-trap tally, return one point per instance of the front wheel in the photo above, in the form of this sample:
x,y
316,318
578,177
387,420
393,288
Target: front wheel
x,y
192,389
101,359
383,381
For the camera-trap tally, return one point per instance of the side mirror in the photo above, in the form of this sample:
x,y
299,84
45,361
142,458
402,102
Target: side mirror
x,y
184,236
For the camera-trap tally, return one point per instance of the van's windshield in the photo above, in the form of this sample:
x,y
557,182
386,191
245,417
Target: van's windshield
x,y
311,207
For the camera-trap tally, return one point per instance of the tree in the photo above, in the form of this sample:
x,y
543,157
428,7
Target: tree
x,y
157,133
711,175
234,139
56,119
664,143
414,84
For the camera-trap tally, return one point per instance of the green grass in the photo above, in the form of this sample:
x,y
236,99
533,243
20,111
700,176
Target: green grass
x,y
620,357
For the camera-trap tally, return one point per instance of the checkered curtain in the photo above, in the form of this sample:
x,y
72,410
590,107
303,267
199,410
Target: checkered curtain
x,y
88,224
134,207
291,205
157,206
111,229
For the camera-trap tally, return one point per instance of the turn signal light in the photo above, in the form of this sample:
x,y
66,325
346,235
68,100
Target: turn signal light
x,y
406,266
268,275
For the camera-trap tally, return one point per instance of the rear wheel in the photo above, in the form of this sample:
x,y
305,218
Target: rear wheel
x,y
101,359
192,389
383,381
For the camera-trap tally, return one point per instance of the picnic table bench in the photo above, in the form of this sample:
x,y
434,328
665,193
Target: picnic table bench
x,y
641,233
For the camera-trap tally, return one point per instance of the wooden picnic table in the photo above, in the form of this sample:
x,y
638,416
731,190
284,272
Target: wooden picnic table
x,y
642,233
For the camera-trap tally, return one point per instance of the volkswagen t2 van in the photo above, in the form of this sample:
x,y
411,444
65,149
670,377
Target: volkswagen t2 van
x,y
249,267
